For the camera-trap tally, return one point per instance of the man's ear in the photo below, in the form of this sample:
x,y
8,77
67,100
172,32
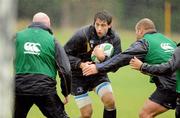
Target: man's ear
x,y
110,25
141,31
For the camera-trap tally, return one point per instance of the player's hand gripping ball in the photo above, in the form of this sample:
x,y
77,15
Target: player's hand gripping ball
x,y
108,50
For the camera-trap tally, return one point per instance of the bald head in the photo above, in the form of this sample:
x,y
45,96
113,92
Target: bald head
x,y
146,24
42,18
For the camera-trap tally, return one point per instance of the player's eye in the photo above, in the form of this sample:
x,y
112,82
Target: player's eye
x,y
103,25
97,24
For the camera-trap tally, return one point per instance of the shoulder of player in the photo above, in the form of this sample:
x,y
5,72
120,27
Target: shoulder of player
x,y
83,32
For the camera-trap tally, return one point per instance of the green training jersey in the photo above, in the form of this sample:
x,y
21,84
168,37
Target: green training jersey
x,y
35,52
178,80
160,48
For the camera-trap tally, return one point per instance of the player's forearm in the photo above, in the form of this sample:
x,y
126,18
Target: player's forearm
x,y
112,64
160,69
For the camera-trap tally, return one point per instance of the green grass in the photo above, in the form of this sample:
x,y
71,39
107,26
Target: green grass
x,y
131,88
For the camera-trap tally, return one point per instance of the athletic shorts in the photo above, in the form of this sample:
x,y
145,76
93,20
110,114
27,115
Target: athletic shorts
x,y
81,85
164,97
50,105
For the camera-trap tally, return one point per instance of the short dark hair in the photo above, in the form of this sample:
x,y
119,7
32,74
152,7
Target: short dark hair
x,y
178,44
104,16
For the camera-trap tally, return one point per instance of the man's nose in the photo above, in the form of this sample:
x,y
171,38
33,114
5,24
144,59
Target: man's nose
x,y
99,28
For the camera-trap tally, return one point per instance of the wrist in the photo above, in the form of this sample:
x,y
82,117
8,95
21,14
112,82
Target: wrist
x,y
81,65
141,67
102,58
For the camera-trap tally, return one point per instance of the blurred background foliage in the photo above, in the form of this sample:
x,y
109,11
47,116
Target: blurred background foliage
x,y
74,13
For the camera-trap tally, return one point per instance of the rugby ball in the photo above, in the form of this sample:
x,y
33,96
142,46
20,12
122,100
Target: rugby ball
x,y
108,51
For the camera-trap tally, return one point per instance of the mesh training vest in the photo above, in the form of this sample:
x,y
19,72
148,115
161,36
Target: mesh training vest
x,y
35,52
160,49
178,80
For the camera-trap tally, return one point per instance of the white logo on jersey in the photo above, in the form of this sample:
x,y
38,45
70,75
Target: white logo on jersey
x,y
167,47
32,48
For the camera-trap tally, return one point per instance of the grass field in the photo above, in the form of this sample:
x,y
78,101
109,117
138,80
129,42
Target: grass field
x,y
131,88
